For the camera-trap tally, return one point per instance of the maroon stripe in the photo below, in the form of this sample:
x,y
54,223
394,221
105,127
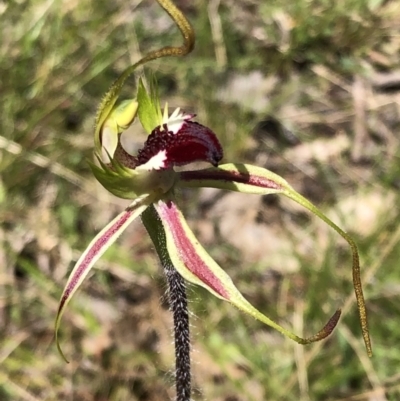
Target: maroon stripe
x,y
94,250
230,176
186,250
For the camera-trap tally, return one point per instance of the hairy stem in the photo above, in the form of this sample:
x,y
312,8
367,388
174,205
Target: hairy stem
x,y
179,306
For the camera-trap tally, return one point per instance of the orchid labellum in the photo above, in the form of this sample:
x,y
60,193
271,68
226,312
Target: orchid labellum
x,y
150,181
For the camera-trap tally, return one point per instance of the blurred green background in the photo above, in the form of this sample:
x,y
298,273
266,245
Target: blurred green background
x,y
309,89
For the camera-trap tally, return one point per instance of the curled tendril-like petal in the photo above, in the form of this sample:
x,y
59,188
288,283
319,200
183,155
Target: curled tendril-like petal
x,y
256,180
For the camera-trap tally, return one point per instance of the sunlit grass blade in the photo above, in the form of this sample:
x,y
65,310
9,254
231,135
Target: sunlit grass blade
x,y
256,180
94,251
194,263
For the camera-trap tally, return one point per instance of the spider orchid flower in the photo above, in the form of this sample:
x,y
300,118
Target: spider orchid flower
x,y
149,181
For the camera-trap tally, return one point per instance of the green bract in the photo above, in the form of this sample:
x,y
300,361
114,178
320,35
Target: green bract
x,y
149,106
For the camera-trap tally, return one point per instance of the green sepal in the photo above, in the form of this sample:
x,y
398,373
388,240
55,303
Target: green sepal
x,y
176,245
